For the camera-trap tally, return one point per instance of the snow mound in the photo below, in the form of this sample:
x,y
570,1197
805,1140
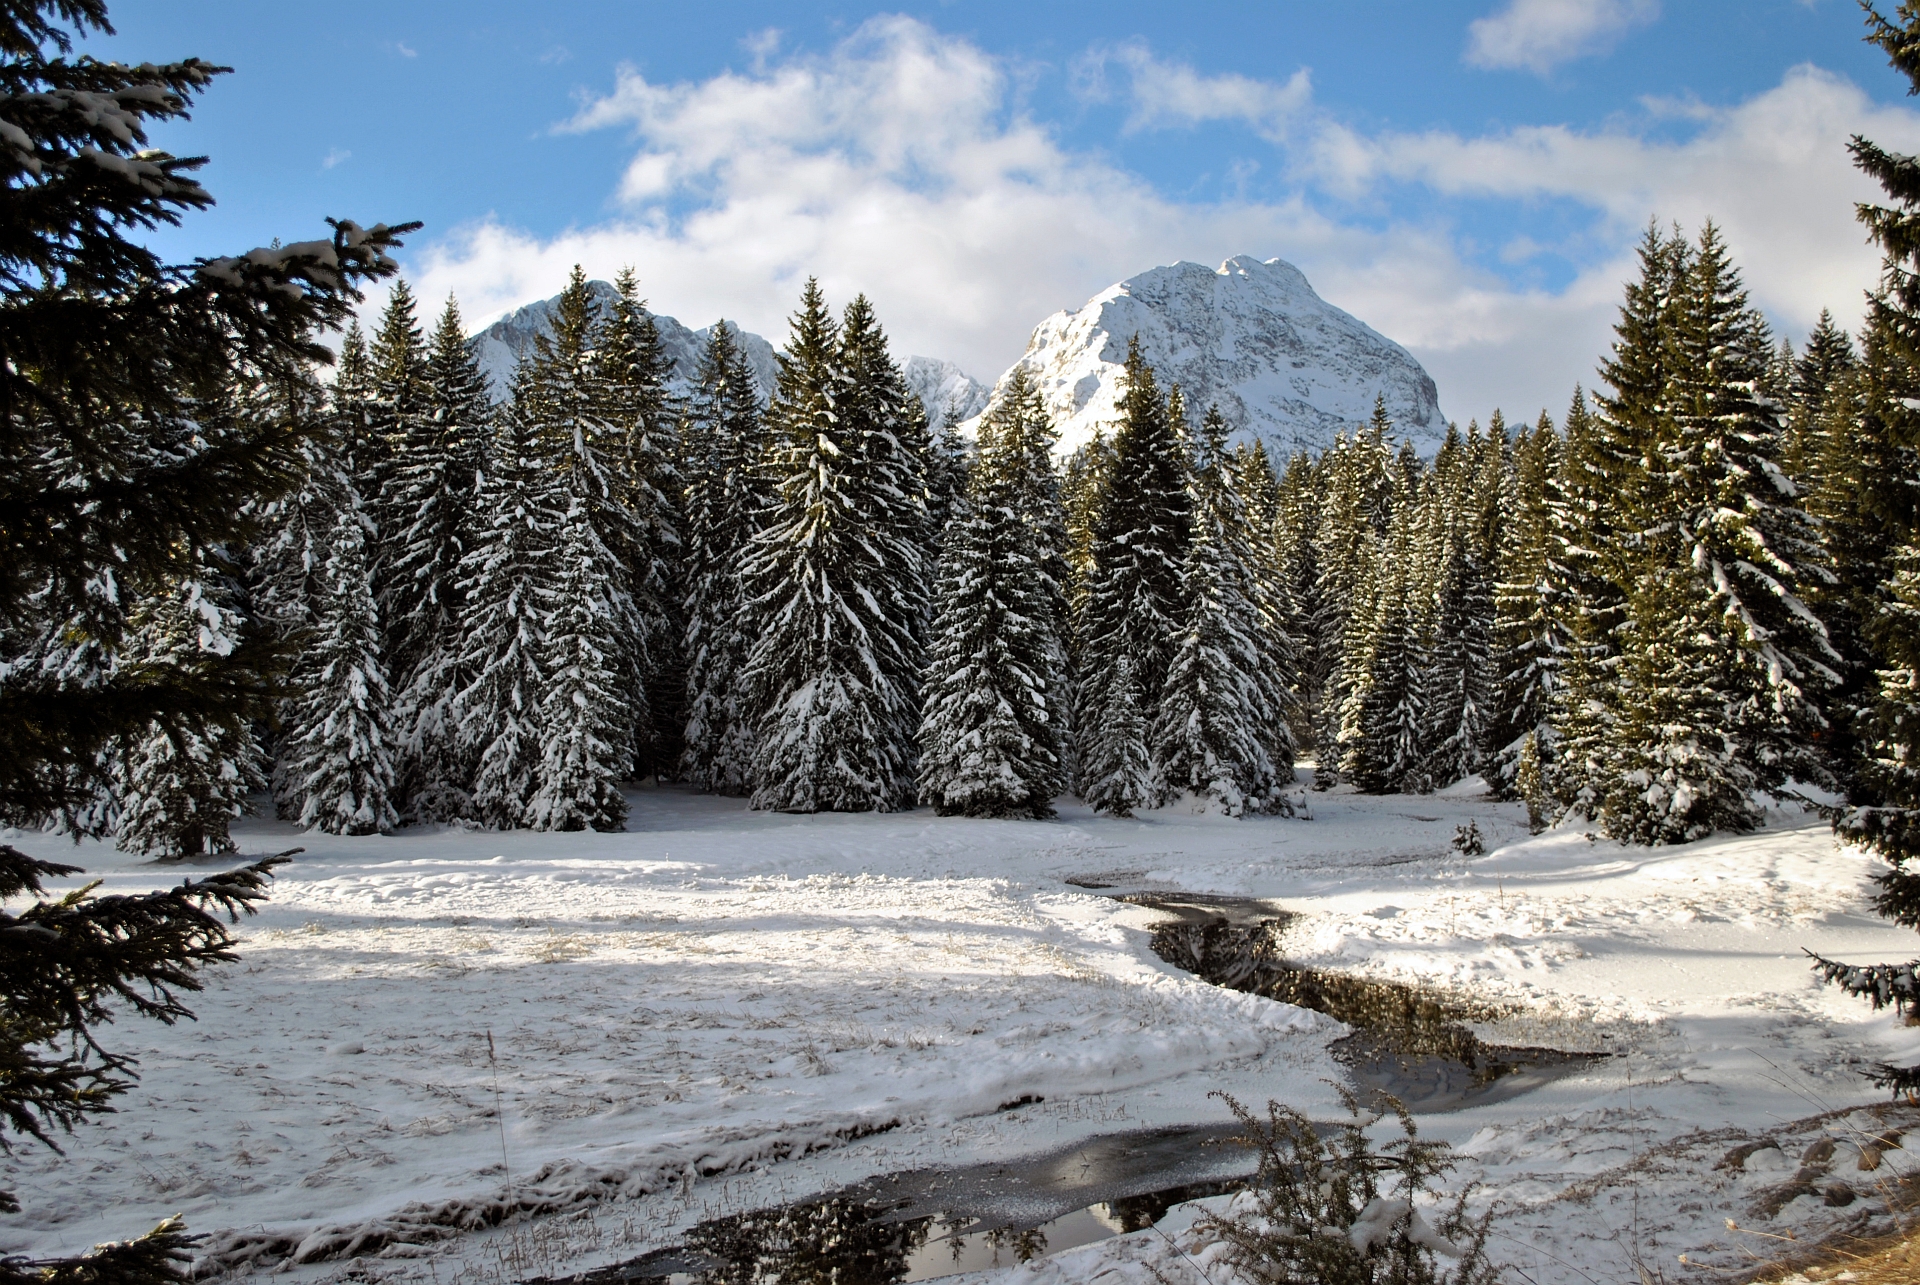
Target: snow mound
x,y
1285,366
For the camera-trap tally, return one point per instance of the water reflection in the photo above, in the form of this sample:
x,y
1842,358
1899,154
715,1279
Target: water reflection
x,y
841,1241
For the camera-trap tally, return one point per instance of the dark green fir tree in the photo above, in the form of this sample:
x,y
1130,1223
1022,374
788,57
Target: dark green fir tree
x,y
1135,606
117,488
1883,805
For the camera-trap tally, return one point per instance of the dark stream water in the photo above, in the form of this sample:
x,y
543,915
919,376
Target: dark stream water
x,y
927,1223
1412,1042
1409,1042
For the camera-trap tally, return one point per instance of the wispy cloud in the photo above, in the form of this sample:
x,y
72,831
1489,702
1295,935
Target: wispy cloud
x,y
335,157
899,163
1163,94
405,50
1539,35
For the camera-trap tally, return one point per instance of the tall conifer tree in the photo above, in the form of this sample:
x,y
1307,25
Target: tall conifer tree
x,y
1529,637
1219,735
1135,606
643,423
1883,805
835,578
397,425
508,561
582,711
432,497
568,401
339,742
990,737
726,499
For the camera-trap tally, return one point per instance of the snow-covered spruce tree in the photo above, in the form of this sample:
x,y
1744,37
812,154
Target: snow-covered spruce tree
x,y
1467,496
1458,692
431,502
1723,664
1040,504
284,572
1119,776
179,787
1296,554
890,428
990,742
582,707
1528,637
1599,510
398,424
725,499
948,463
1752,545
1218,735
338,744
835,582
1258,488
644,423
1883,803
1385,706
569,404
509,559
1357,499
1134,606
1860,493
115,486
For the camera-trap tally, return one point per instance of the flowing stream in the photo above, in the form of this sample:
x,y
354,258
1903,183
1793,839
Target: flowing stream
x,y
1411,1042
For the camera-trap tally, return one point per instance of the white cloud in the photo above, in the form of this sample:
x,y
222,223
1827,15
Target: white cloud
x,y
1173,94
896,164
335,156
1773,172
1539,35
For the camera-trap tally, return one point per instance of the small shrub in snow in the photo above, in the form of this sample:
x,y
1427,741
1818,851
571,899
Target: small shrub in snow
x,y
1468,841
1336,1210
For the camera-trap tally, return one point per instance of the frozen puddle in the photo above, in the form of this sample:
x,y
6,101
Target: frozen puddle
x,y
1413,1043
930,1223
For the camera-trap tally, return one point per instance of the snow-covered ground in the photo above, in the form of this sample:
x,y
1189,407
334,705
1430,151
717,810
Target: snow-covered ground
x,y
721,1010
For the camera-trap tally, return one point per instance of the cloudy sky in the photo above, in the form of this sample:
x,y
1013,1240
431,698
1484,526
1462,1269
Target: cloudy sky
x,y
1469,178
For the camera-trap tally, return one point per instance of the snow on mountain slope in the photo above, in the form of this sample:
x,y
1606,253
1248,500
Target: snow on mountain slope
x,y
506,341
502,344
941,384
1283,364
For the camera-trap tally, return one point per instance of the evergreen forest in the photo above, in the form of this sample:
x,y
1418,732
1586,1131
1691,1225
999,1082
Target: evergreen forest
x,y
1653,613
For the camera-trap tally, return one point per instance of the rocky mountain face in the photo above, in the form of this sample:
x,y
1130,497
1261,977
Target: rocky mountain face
x,y
501,346
1285,366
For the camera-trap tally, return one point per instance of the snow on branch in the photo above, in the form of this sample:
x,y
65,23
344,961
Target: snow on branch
x,y
1880,984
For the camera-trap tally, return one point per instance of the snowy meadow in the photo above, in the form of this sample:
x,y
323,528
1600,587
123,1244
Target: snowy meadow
x,y
618,1036
691,813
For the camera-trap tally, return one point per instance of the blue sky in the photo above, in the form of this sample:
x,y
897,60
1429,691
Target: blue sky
x,y
1466,177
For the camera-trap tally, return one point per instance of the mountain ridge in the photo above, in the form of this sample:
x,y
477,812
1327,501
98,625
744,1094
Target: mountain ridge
x,y
1285,366
499,347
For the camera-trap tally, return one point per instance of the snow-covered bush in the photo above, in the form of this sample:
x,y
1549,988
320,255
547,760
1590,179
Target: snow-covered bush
x,y
1328,1207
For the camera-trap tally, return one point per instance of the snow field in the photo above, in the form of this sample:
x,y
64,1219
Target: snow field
x,y
721,1010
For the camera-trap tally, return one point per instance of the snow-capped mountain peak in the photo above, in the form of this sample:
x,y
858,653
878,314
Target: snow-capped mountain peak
x,y
1252,336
